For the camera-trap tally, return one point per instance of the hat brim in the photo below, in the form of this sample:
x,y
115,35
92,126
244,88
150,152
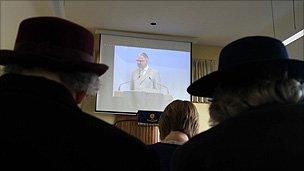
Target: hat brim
x,y
29,59
244,74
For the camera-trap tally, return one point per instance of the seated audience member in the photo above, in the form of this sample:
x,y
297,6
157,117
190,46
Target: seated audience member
x,y
46,76
178,123
257,111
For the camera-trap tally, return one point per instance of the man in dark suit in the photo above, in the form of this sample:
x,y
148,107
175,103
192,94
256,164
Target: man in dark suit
x,y
47,75
144,78
257,111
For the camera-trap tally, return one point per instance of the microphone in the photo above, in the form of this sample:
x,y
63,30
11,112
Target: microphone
x,y
123,84
160,84
127,82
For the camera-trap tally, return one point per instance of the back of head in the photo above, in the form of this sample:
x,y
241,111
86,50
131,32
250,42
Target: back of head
x,y
230,101
253,71
261,91
73,81
179,116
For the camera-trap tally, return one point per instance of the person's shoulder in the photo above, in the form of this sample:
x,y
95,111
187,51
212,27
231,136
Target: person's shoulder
x,y
194,145
246,129
164,148
109,131
193,153
198,146
115,142
154,71
163,145
135,70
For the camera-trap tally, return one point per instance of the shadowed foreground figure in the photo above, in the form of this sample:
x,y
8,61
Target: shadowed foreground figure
x,y
47,75
257,111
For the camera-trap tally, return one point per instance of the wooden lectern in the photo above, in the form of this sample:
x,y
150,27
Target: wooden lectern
x,y
148,134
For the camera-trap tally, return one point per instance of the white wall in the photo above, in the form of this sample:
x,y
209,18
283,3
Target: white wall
x,y
203,110
296,49
289,24
13,12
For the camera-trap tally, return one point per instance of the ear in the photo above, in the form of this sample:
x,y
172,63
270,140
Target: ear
x,y
79,96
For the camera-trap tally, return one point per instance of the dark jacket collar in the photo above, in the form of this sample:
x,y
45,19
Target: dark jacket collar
x,y
267,114
37,86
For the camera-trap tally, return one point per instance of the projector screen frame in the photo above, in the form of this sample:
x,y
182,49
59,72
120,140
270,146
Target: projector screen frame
x,y
99,32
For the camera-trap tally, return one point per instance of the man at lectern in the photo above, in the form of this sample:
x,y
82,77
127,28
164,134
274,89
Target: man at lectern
x,y
144,78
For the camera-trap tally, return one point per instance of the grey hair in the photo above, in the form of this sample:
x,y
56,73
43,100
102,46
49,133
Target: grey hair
x,y
144,55
74,81
232,101
79,81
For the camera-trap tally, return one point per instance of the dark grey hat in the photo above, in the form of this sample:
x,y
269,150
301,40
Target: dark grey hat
x,y
247,59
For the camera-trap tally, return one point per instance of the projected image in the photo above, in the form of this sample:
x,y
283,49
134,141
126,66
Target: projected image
x,y
151,70
144,74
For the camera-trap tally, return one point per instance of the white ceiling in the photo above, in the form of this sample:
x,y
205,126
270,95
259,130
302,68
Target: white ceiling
x,y
211,22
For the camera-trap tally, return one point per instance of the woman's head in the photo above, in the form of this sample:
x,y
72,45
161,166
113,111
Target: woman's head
x,y
179,116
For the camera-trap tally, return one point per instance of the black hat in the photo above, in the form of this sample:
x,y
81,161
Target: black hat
x,y
245,60
53,43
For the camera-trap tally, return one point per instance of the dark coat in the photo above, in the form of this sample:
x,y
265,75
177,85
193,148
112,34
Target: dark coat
x,y
164,152
43,128
269,137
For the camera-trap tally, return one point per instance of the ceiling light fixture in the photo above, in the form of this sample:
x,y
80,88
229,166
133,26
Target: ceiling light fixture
x,y
293,37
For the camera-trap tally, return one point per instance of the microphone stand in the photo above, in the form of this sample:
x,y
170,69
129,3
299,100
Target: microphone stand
x,y
127,82
159,84
123,84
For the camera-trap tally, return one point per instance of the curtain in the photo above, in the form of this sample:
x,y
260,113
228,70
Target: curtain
x,y
200,68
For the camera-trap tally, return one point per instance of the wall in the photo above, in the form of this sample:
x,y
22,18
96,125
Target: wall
x,y
289,24
13,12
205,52
296,49
203,110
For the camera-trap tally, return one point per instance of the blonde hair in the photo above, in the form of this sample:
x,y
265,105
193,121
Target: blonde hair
x,y
229,102
179,116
